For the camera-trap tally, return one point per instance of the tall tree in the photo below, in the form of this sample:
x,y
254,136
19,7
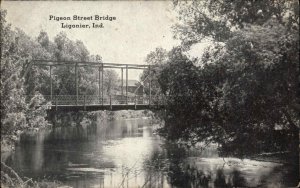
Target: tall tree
x,y
217,20
17,113
156,59
247,83
68,50
111,81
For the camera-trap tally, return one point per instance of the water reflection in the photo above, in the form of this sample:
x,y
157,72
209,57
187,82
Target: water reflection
x,y
125,153
182,170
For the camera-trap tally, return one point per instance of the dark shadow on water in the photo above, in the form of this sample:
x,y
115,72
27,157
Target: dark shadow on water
x,y
180,170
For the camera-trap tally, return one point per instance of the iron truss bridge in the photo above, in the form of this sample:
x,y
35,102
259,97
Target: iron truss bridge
x,y
123,101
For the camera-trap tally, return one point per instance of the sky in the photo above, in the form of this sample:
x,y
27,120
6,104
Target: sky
x,y
139,28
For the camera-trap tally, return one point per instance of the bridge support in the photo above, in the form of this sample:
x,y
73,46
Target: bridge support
x,y
99,84
51,89
76,82
110,103
102,86
84,102
55,102
126,84
135,102
150,86
122,84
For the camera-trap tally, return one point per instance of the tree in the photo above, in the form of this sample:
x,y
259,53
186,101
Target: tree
x,y
17,112
247,81
156,59
217,20
68,50
259,87
111,80
37,78
191,100
43,39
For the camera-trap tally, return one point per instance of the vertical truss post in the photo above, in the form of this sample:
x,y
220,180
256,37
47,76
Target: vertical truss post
x,y
99,84
135,102
76,82
102,86
84,103
143,96
126,84
51,89
56,102
122,84
149,85
110,102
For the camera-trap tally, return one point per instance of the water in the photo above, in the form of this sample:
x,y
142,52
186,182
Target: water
x,y
127,153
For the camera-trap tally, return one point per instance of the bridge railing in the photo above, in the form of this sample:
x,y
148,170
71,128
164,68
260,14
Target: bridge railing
x,y
82,100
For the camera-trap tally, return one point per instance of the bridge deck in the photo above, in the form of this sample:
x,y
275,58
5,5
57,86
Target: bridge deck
x,y
94,102
95,107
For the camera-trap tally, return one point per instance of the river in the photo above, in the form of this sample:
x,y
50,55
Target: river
x,y
128,153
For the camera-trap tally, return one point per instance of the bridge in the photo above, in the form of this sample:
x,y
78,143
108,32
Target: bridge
x,y
100,101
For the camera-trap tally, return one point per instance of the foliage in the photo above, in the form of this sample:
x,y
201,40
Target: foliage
x,y
191,95
68,50
217,20
64,49
247,83
156,59
111,81
16,113
9,178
